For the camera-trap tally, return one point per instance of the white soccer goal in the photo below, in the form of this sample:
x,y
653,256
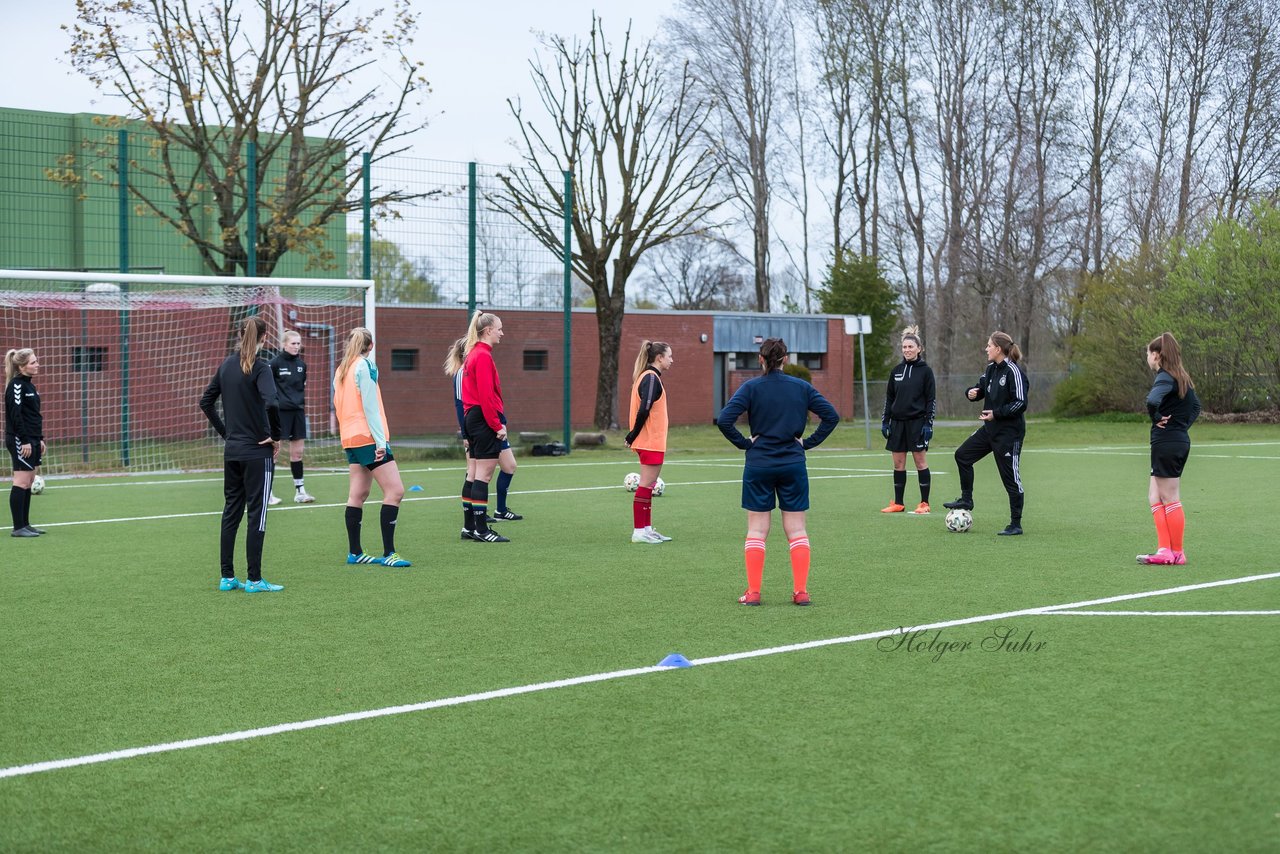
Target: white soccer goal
x,y
124,358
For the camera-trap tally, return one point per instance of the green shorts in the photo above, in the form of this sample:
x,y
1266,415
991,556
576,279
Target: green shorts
x,y
364,456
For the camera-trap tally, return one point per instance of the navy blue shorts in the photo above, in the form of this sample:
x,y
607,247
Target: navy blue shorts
x,y
1168,459
789,485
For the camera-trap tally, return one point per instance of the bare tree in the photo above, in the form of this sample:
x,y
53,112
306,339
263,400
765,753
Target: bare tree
x,y
698,272
207,77
1250,158
627,131
738,52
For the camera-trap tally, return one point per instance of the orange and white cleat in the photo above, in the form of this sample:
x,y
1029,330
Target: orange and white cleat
x,y
895,507
749,598
922,509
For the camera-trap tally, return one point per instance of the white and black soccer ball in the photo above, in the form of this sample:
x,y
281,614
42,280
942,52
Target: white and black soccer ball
x,y
959,521
632,481
659,487
37,485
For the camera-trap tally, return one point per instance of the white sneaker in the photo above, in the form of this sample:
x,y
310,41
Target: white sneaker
x,y
273,500
650,537
660,536
303,497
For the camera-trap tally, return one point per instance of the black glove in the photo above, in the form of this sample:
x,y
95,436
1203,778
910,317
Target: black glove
x,y
884,429
926,433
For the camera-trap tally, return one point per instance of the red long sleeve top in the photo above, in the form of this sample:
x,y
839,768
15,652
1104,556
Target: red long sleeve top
x,y
481,386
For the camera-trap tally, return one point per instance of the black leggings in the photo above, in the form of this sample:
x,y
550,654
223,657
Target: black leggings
x,y
1007,448
245,483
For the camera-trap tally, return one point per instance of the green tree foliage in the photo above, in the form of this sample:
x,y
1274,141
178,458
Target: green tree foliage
x,y
795,369
854,285
1222,301
399,279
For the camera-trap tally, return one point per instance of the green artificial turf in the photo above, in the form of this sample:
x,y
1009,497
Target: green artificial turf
x,y
1112,733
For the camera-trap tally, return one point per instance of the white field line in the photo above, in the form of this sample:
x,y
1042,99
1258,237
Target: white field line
x,y
350,717
1164,613
450,497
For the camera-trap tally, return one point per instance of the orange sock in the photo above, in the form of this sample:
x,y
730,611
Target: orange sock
x,y
800,564
1176,523
1159,516
754,552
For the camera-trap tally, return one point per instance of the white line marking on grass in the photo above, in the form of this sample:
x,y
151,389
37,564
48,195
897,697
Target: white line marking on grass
x,y
351,717
1163,613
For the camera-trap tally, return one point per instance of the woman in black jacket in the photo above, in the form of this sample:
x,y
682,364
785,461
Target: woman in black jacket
x,y
1004,388
1173,407
910,402
289,370
23,435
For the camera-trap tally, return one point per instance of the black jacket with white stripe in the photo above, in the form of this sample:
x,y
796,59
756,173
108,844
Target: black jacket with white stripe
x,y
910,393
1003,388
22,418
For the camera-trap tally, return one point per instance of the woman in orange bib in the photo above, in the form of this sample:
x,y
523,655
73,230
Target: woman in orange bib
x,y
648,435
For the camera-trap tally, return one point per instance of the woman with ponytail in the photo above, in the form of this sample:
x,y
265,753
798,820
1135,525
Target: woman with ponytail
x,y
250,425
910,401
1173,407
23,435
777,406
484,423
1004,425
648,434
362,426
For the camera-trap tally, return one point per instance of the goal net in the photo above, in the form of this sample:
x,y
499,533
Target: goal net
x,y
124,359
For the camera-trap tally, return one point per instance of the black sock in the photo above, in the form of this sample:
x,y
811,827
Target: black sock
x,y
354,515
504,483
468,524
479,506
15,505
26,507
899,485
924,477
296,469
390,512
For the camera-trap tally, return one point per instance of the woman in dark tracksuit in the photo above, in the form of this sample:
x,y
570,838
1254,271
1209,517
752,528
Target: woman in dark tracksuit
x,y
1004,388
910,402
23,435
1173,406
252,433
777,406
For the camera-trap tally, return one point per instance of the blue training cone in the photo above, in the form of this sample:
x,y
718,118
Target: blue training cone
x,y
415,488
675,659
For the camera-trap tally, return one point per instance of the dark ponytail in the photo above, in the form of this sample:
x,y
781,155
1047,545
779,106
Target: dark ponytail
x,y
774,353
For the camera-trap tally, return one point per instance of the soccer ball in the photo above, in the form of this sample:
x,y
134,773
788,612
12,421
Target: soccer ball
x,y
37,485
959,521
631,482
659,487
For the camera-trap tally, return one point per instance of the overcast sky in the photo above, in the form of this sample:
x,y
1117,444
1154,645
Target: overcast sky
x,y
476,56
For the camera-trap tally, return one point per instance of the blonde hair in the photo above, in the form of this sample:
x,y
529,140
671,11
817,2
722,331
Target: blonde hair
x,y
288,334
480,321
649,350
454,359
912,333
15,361
251,336
1006,345
1166,347
358,343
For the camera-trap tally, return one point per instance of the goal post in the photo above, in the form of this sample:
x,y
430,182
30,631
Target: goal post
x,y
124,358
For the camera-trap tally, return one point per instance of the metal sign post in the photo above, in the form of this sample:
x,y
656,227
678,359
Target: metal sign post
x,y
860,325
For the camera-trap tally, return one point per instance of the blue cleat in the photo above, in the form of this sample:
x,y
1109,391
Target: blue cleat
x,y
363,558
393,559
261,586
230,584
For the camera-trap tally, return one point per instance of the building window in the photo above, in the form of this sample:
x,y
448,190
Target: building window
x,y
812,361
88,360
404,360
743,361
535,360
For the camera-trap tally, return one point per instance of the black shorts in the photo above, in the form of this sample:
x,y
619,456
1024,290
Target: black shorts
x,y
1169,458
293,424
21,463
482,440
906,435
